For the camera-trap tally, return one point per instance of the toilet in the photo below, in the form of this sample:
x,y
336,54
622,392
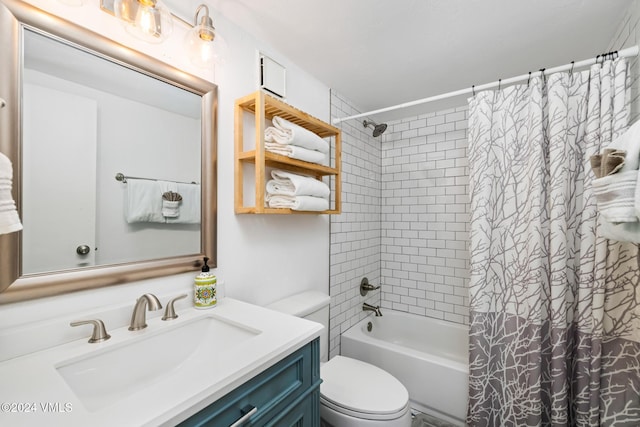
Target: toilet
x,y
353,393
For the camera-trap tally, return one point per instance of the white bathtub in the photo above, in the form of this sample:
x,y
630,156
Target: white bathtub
x,y
429,356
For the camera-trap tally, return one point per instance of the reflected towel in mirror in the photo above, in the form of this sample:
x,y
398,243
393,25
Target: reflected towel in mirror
x,y
9,220
144,201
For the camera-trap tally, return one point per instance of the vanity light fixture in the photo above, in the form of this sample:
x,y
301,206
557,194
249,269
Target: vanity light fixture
x,y
148,20
199,40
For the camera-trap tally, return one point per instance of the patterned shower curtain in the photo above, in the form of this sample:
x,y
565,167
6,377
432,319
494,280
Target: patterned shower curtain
x,y
555,309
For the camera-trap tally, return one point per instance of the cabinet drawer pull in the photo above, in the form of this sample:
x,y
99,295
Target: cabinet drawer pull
x,y
244,418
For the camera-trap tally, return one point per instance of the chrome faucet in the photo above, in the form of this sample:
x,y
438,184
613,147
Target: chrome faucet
x,y
374,308
139,316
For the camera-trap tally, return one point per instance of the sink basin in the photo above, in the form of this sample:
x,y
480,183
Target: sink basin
x,y
111,374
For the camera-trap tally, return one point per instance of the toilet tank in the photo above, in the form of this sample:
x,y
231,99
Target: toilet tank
x,y
310,305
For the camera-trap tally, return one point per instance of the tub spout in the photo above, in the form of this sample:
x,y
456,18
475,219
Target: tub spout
x,y
374,308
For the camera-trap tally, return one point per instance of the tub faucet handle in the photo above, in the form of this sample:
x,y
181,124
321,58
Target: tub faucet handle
x,y
99,331
366,287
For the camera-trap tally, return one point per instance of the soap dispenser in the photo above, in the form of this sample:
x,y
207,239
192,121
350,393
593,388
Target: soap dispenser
x,y
204,292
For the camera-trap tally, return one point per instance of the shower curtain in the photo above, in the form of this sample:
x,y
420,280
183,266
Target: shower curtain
x,y
555,308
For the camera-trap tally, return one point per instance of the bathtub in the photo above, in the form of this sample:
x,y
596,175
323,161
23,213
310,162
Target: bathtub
x,y
429,356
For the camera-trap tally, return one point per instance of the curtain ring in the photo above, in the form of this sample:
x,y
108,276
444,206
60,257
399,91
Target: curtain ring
x,y
529,79
473,90
597,57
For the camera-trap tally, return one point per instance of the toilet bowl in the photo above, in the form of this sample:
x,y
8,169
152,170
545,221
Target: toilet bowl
x,y
353,393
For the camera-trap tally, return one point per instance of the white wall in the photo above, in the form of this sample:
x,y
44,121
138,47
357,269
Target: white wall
x,y
260,258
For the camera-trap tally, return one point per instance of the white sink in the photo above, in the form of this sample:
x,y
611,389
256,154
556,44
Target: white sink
x,y
108,375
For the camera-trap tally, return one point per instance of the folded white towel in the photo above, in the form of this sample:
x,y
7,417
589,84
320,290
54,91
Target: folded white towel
x,y
298,203
296,152
9,220
284,132
291,184
144,201
630,142
616,196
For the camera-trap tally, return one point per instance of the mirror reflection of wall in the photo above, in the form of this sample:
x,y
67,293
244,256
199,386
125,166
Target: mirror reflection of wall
x,y
86,119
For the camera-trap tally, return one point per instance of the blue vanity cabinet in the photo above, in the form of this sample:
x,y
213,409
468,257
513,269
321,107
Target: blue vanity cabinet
x,y
286,394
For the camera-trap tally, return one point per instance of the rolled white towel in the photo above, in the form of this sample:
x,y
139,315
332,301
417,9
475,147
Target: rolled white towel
x,y
298,203
296,152
291,184
284,132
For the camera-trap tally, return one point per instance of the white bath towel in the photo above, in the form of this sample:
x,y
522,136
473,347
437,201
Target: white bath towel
x,y
284,132
291,184
298,203
616,196
144,201
630,142
9,220
296,152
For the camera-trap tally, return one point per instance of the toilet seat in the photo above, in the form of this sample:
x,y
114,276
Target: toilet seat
x,y
362,390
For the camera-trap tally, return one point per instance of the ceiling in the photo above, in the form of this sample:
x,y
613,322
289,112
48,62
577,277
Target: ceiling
x,y
379,53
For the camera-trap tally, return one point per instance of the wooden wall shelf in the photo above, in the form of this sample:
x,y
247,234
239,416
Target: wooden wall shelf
x,y
265,107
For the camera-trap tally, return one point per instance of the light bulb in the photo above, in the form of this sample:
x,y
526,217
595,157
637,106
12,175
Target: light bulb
x,y
202,44
147,20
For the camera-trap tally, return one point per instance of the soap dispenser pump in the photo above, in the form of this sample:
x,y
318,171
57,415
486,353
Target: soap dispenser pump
x,y
204,292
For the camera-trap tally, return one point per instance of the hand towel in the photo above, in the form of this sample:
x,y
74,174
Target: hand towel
x,y
9,220
616,195
298,203
170,209
284,132
296,152
189,212
144,201
291,184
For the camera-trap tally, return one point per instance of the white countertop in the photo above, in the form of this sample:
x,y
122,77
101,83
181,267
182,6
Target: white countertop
x,y
33,393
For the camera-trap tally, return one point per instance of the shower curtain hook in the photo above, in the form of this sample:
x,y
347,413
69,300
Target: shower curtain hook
x,y
573,63
473,90
499,83
542,74
597,58
529,79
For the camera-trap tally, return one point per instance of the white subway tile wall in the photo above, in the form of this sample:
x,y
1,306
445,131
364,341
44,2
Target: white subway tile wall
x,y
627,35
425,216
355,234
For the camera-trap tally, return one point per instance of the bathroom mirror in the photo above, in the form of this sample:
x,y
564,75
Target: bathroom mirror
x,y
97,134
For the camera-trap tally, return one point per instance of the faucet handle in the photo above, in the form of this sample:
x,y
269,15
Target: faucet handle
x,y
99,331
169,312
366,287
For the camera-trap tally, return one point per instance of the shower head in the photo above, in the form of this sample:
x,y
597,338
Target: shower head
x,y
378,129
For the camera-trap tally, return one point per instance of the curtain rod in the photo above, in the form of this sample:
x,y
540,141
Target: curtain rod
x,y
624,53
